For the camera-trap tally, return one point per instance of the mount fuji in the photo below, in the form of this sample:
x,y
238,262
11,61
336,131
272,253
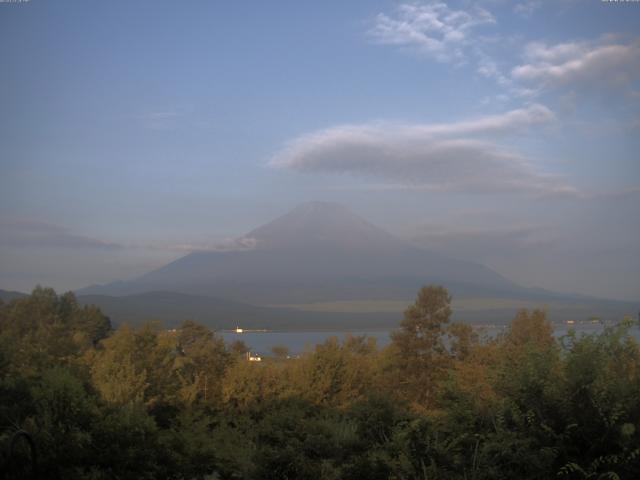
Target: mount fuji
x,y
317,252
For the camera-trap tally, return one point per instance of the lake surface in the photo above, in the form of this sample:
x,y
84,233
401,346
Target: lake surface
x,y
297,342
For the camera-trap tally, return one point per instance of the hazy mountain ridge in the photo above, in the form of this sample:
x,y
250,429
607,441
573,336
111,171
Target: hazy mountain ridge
x,y
321,252
318,251
8,295
320,225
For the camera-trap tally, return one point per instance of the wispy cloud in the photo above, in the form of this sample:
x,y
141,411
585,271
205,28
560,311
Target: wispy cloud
x,y
435,30
620,193
27,233
488,68
160,120
527,8
604,64
227,245
438,157
431,29
42,234
517,120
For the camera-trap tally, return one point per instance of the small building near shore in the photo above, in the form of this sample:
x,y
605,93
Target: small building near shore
x,y
252,358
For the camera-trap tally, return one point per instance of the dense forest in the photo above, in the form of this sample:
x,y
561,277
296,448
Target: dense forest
x,y
81,400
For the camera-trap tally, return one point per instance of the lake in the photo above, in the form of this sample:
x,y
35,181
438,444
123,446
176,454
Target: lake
x,y
299,341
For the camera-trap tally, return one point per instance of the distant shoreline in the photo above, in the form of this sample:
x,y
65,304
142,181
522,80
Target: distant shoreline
x,y
475,326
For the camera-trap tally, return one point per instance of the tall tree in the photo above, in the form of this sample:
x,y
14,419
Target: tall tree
x,y
204,360
420,352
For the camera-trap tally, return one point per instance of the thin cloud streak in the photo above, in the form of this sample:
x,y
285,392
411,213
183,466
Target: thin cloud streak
x,y
48,235
509,122
527,8
161,120
227,245
36,234
603,65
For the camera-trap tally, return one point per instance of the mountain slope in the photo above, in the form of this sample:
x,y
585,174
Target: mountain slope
x,y
320,226
172,308
8,295
319,251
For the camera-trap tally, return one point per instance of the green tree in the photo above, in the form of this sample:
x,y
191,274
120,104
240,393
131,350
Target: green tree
x,y
333,374
202,362
247,383
115,371
61,424
419,347
44,329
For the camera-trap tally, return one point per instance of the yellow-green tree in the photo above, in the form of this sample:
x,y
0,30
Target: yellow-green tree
x,y
419,354
200,364
45,329
115,370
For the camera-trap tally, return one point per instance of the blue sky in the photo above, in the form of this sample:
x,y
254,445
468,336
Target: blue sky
x,y
503,132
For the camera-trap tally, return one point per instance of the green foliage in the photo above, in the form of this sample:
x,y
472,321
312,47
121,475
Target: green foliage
x,y
419,345
438,403
57,412
44,329
127,443
160,367
280,351
334,374
203,362
117,369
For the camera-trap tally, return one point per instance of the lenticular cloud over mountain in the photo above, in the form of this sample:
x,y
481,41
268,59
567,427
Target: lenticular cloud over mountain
x,y
460,156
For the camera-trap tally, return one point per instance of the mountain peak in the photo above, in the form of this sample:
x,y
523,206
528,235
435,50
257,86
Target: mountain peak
x,y
321,224
317,206
317,251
